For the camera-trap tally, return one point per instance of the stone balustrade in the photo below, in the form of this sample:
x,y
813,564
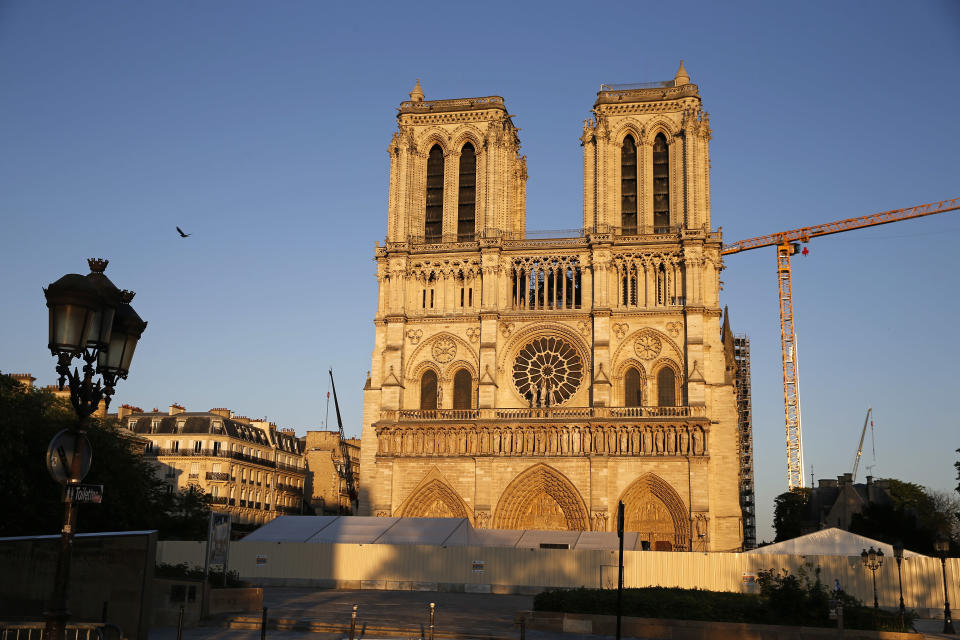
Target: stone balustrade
x,y
542,413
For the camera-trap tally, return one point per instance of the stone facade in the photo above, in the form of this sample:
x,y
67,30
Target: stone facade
x,y
326,490
535,382
249,468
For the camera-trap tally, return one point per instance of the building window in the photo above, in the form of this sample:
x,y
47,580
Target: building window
x,y
175,446
462,390
666,387
428,390
433,220
467,197
198,446
631,388
154,426
628,186
661,184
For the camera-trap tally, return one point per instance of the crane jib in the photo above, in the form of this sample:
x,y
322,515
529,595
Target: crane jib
x,y
804,234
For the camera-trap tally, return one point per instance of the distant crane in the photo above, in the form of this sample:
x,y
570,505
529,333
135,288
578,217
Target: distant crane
x,y
346,467
787,245
856,460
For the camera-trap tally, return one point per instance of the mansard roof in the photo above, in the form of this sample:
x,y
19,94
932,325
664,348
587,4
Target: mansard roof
x,y
209,423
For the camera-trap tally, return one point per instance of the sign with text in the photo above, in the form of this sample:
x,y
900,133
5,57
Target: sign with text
x,y
91,493
479,566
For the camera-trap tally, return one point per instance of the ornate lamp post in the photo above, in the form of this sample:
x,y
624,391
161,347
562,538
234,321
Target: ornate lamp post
x,y
898,556
942,545
89,319
873,560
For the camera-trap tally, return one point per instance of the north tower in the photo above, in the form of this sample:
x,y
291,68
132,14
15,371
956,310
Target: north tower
x,y
534,383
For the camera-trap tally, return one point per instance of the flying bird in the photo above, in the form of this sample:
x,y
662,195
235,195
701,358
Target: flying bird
x,y
182,234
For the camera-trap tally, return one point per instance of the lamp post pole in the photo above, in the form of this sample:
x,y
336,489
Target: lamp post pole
x,y
942,545
898,555
873,560
89,319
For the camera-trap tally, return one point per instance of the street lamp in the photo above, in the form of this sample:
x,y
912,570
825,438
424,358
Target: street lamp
x,y
942,545
898,555
873,560
89,319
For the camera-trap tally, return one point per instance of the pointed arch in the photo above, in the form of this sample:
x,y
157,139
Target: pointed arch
x,y
656,511
632,388
434,498
462,389
542,498
428,390
666,387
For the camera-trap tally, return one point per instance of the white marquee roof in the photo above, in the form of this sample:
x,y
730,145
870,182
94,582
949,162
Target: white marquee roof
x,y
829,542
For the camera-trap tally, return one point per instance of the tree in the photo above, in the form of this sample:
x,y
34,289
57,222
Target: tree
x,y
134,499
788,512
912,516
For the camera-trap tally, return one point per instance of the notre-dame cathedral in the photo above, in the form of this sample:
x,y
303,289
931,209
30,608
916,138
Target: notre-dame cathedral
x,y
530,382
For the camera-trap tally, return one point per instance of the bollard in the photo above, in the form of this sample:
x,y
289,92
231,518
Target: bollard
x,y
353,622
263,625
432,612
180,625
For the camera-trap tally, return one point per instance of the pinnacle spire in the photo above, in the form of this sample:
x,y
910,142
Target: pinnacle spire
x,y
417,94
682,77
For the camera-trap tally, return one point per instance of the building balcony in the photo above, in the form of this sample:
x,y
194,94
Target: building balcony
x,y
218,500
211,453
216,475
543,413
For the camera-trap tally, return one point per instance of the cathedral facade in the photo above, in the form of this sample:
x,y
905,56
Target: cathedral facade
x,y
534,382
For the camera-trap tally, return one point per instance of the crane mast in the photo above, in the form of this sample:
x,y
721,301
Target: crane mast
x,y
346,468
856,460
786,243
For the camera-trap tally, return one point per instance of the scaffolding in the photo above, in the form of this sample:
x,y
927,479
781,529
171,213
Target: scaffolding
x,y
741,354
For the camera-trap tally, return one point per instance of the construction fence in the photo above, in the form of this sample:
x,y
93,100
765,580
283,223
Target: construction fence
x,y
512,570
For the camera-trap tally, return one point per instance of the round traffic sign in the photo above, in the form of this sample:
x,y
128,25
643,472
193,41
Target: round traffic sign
x,y
60,454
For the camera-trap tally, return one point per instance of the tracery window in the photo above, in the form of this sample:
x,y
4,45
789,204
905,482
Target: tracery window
x,y
467,196
628,187
631,388
433,218
666,387
661,184
547,372
462,390
544,282
428,390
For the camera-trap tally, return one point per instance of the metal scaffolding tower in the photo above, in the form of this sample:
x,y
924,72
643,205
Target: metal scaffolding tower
x,y
741,353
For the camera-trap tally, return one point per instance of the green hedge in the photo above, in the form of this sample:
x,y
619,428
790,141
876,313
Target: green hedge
x,y
784,599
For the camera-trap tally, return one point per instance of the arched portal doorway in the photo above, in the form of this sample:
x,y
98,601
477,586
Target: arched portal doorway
x,y
653,509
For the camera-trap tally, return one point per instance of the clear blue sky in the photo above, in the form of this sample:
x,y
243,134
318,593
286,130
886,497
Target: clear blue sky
x,y
261,128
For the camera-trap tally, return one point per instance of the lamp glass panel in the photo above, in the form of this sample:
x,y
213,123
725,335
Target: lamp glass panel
x,y
130,345
70,326
102,326
110,359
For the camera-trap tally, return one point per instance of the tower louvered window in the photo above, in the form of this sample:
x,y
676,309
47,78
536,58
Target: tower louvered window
x,y
661,184
467,198
433,226
628,186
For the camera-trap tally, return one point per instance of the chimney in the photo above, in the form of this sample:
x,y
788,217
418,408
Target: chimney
x,y
176,408
222,412
25,379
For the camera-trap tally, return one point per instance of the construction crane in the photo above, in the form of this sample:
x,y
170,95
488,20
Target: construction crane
x,y
345,469
787,245
856,460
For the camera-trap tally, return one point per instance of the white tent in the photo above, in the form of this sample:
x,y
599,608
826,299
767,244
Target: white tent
x,y
829,542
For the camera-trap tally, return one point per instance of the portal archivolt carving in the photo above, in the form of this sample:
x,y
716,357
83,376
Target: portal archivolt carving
x,y
655,510
434,499
541,498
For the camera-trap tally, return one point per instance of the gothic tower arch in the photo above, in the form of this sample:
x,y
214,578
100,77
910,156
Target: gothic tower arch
x,y
541,498
656,511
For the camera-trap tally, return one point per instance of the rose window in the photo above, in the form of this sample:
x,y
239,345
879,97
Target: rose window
x,y
647,346
547,372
